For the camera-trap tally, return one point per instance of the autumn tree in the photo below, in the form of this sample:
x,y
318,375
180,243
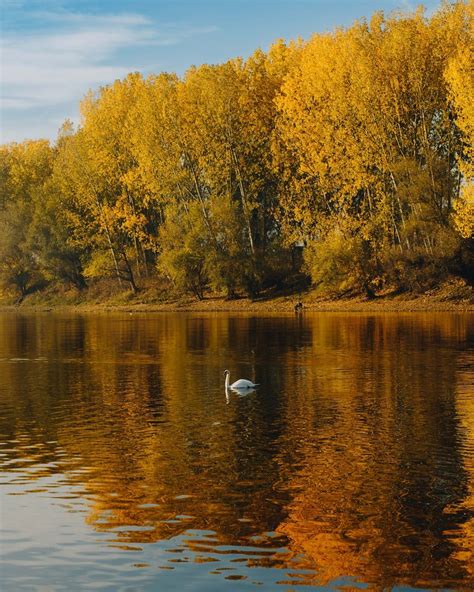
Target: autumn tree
x,y
356,143
365,116
25,168
460,78
97,169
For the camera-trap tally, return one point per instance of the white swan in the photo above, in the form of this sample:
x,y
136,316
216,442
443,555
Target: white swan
x,y
239,385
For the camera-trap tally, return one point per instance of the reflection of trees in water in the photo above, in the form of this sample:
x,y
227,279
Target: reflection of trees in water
x,y
374,495
463,537
358,447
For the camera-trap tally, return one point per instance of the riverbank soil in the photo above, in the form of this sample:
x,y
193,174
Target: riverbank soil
x,y
453,295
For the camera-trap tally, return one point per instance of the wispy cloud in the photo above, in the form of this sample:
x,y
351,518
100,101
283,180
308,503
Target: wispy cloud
x,y
83,18
54,67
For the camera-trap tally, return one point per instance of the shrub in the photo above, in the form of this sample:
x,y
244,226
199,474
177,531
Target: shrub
x,y
339,263
183,245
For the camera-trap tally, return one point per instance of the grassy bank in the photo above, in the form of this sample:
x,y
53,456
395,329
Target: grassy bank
x,y
453,295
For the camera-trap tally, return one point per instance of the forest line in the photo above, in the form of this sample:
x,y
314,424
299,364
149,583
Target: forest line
x,y
356,144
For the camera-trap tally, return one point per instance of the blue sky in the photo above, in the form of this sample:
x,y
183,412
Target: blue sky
x,y
54,51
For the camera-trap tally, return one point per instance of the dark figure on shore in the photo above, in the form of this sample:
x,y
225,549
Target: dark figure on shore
x,y
298,307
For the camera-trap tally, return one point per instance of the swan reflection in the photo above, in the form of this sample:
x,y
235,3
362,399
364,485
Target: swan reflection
x,y
238,394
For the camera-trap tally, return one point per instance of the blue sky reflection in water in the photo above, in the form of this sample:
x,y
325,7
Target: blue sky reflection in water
x,y
123,467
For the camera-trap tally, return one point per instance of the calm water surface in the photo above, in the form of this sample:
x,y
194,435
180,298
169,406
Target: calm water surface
x,y
124,466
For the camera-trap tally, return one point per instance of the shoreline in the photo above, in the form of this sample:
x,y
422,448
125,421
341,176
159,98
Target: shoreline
x,y
279,304
454,295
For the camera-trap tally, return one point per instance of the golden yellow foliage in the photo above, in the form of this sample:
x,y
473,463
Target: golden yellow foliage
x,y
460,79
357,142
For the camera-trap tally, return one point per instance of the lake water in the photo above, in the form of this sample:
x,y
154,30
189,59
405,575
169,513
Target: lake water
x,y
124,465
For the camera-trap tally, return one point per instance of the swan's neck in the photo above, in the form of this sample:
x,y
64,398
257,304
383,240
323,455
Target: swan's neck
x,y
227,380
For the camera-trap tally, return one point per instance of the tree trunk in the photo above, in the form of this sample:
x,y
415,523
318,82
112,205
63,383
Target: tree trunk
x,y
244,201
130,279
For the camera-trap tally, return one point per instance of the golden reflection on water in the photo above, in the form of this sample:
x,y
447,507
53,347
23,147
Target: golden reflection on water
x,y
354,458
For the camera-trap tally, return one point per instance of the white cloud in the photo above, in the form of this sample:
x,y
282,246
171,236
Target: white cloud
x,y
64,17
55,68
5,4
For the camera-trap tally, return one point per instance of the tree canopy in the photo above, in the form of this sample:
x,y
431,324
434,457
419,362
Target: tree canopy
x,y
357,143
